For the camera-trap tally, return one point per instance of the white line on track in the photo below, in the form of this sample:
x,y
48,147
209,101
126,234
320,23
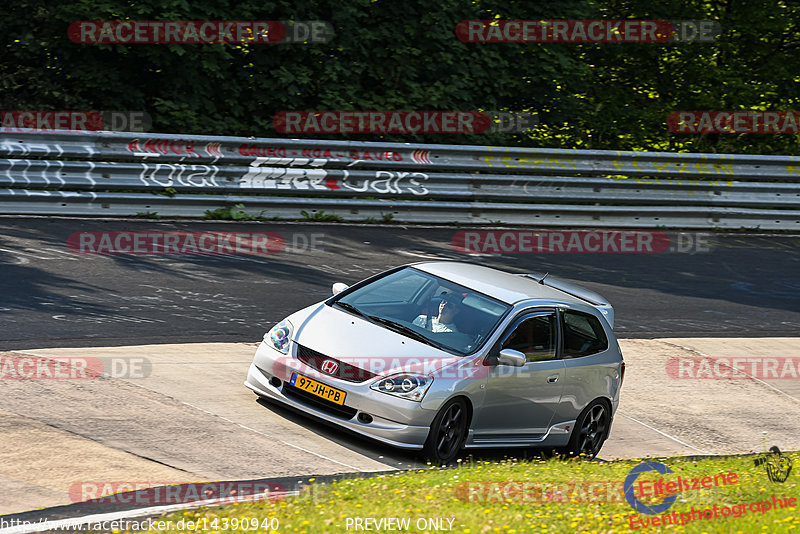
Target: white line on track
x,y
256,431
662,433
278,440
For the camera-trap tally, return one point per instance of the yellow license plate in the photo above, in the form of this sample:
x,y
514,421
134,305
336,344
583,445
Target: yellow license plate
x,y
319,389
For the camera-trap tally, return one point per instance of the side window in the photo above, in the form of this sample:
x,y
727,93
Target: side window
x,y
535,337
583,335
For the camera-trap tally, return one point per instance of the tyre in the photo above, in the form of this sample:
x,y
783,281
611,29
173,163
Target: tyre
x,y
448,433
591,430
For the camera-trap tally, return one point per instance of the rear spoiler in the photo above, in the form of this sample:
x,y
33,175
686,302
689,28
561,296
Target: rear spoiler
x,y
580,292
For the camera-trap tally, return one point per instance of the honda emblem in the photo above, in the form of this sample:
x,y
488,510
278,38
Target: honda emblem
x,y
329,366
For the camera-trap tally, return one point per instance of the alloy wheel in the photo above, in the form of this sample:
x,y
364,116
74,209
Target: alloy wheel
x,y
593,431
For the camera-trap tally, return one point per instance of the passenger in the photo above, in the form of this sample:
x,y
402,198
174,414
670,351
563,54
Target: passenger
x,y
449,308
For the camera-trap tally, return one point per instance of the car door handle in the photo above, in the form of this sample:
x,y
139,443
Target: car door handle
x,y
552,379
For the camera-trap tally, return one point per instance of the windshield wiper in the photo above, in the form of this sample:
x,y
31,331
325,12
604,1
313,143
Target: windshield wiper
x,y
410,332
350,308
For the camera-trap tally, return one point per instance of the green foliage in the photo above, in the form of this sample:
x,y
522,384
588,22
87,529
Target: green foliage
x,y
167,192
753,65
385,218
231,214
319,216
404,55
531,495
147,215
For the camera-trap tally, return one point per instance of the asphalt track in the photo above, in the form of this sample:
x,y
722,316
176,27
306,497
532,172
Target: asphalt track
x,y
192,420
741,286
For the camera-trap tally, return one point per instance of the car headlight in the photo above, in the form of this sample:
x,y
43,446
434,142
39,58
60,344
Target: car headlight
x,y
404,385
279,336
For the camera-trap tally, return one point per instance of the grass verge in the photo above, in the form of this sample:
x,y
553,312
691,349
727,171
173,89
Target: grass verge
x,y
530,496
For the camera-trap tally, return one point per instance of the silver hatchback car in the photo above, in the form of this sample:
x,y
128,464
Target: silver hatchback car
x,y
442,356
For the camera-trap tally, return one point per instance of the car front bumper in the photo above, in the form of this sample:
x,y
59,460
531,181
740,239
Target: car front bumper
x,y
403,434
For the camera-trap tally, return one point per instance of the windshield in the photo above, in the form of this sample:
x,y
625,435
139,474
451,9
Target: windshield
x,y
428,308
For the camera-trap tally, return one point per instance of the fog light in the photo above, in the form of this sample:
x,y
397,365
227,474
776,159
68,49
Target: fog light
x,y
275,382
364,418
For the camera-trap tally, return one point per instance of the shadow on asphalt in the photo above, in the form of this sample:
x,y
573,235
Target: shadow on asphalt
x,y
744,285
392,457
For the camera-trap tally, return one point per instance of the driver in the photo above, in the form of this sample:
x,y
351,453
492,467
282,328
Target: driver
x,y
449,308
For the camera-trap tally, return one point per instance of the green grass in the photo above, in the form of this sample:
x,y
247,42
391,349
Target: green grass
x,y
442,493
235,213
147,215
320,216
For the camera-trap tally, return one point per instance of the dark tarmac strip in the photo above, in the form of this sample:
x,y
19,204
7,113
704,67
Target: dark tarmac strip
x,y
723,285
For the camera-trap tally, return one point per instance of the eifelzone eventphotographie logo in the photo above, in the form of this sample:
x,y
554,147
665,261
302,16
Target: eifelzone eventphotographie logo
x,y
777,466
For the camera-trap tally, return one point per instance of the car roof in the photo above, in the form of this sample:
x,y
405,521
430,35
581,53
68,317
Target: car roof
x,y
507,287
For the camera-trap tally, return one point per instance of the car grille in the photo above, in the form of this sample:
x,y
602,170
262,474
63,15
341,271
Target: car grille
x,y
345,412
348,372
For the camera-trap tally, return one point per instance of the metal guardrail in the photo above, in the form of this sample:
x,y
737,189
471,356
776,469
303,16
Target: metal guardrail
x,y
119,174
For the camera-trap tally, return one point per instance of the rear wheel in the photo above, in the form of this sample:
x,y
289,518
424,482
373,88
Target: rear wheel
x,y
448,433
590,432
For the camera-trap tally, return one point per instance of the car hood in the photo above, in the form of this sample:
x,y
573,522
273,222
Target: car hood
x,y
364,344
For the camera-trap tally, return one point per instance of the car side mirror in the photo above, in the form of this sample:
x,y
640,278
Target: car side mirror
x,y
338,287
511,357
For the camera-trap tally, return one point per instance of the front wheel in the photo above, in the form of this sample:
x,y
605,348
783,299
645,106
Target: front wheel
x,y
590,432
448,433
